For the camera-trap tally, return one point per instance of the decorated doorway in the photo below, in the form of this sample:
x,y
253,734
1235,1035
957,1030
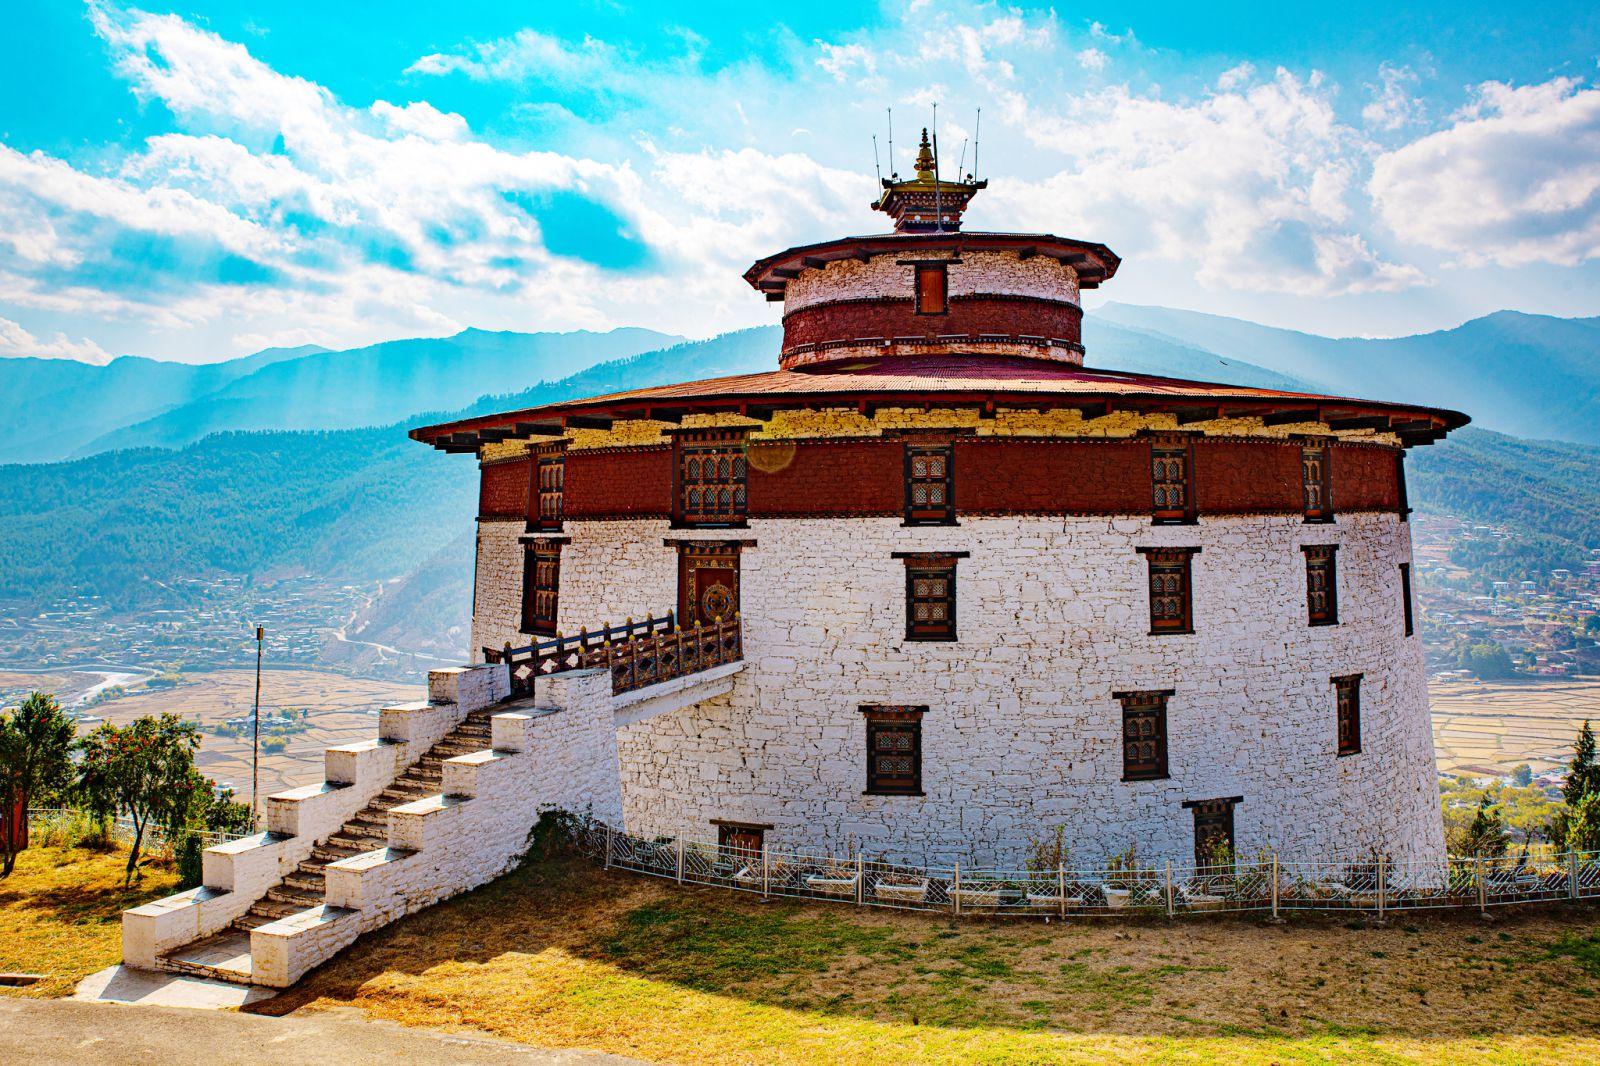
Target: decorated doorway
x,y
1213,830
708,581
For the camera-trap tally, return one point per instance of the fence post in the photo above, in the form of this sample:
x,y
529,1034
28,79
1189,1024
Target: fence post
x,y
766,871
1169,889
861,879
1274,886
1383,885
1572,874
1483,892
1061,888
955,892
680,860
608,847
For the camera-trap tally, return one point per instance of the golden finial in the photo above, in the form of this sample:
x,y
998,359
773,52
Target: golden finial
x,y
925,158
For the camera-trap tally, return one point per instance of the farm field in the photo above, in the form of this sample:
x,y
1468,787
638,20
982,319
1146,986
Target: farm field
x,y
560,954
1488,727
340,709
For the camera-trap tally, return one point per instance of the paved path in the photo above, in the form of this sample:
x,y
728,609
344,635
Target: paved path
x,y
107,1034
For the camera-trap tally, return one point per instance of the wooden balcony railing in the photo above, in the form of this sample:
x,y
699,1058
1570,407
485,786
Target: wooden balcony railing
x,y
637,654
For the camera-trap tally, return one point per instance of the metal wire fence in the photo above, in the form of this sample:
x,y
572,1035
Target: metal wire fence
x,y
61,823
1264,884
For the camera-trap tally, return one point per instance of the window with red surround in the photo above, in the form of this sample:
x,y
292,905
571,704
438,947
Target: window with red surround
x,y
1171,498
933,288
894,750
1314,482
1348,697
1171,595
930,483
1322,588
550,479
1405,597
712,476
930,594
541,585
1144,734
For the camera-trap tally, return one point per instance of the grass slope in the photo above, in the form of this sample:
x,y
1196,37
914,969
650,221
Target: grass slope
x,y
61,914
562,955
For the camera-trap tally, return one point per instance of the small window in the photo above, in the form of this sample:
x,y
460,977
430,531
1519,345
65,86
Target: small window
x,y
933,288
1322,588
1314,482
930,594
550,476
1348,696
1144,734
1171,600
1405,597
894,750
1169,475
541,586
711,478
930,484
1213,831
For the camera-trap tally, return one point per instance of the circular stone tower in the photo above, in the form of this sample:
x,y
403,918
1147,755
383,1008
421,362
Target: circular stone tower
x,y
984,591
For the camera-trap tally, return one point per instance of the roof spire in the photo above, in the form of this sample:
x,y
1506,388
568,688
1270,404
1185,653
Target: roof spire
x,y
925,168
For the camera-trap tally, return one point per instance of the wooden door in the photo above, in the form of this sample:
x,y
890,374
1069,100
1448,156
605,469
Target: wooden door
x,y
708,583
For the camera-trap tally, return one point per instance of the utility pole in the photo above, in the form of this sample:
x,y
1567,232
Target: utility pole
x,y
255,729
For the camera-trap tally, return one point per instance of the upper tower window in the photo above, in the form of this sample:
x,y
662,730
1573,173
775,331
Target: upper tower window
x,y
711,477
930,482
933,288
1169,476
549,476
1314,481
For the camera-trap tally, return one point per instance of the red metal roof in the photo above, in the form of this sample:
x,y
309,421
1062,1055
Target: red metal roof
x,y
944,380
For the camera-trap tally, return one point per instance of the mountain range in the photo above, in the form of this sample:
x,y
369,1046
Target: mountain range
x,y
314,473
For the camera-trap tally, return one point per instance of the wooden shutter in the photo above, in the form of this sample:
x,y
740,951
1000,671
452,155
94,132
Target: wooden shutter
x,y
894,750
1322,588
933,289
1144,734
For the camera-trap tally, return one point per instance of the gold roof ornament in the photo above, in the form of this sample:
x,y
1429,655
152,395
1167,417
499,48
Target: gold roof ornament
x,y
927,203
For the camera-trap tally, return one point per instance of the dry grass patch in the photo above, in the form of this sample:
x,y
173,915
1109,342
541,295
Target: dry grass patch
x,y
563,955
61,914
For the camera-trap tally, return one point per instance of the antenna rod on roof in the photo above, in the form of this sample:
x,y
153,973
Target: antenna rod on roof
x,y
892,171
875,166
962,165
977,131
938,197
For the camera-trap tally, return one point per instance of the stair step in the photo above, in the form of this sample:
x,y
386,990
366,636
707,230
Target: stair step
x,y
297,898
358,841
225,957
328,851
306,880
270,910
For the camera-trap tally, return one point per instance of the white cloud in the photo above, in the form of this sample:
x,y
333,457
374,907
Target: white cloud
x,y
1515,180
1394,104
16,341
845,62
1092,59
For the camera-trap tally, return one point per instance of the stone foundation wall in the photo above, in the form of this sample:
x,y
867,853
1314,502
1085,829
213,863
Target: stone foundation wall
x,y
1022,733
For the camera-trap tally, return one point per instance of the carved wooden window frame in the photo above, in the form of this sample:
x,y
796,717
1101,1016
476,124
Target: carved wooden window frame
x,y
1316,482
541,584
1212,814
894,750
930,611
930,481
1347,704
1171,478
1170,582
710,465
1322,584
547,488
1407,610
1144,734
707,554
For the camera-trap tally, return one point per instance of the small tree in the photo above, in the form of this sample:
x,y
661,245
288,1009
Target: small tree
x,y
35,758
1583,779
1485,837
1522,775
145,770
1583,824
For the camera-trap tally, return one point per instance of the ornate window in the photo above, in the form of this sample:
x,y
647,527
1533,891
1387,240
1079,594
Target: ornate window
x,y
933,288
1144,734
1171,599
1169,476
930,594
1348,690
1322,588
930,483
1314,482
541,584
711,477
1213,830
549,484
894,750
1405,596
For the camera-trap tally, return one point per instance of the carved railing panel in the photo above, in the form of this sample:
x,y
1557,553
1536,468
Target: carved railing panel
x,y
637,654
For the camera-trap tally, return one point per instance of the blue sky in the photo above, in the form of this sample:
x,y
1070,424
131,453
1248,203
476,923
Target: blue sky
x,y
200,180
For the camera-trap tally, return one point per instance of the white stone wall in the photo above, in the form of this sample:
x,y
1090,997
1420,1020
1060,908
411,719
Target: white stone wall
x,y
985,273
1022,733
497,592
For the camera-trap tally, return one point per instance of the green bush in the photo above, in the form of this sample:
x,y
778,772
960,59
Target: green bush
x,y
191,868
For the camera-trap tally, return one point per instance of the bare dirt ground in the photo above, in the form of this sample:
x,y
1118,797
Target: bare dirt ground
x,y
341,709
1492,726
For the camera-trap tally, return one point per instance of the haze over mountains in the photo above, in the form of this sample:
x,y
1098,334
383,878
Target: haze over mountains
x,y
328,484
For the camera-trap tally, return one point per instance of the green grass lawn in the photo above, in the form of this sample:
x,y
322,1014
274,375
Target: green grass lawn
x,y
561,954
